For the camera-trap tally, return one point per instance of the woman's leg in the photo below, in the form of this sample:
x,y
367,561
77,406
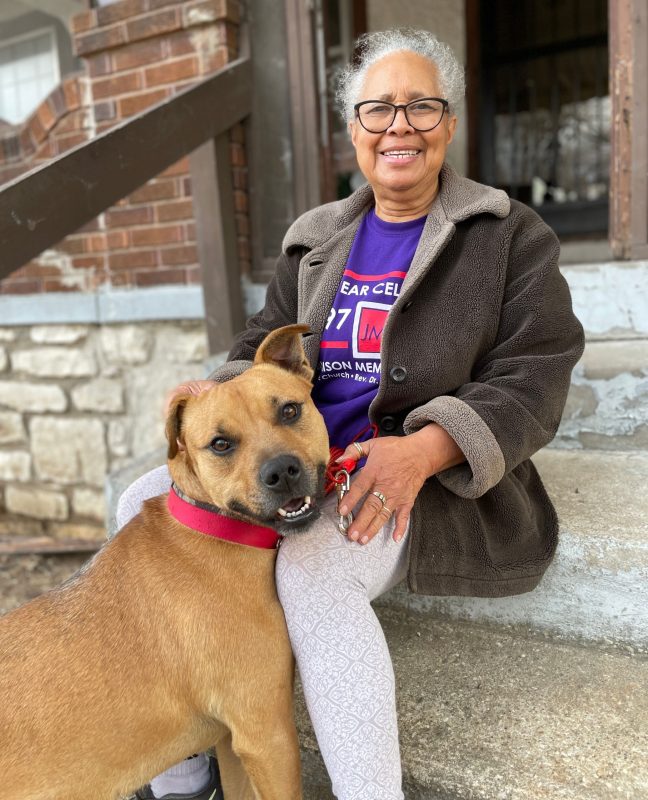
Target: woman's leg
x,y
325,583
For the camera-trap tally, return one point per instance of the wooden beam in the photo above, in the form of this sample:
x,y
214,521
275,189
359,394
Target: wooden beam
x,y
629,128
211,181
40,208
44,545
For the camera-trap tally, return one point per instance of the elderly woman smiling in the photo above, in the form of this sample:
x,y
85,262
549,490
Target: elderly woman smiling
x,y
443,341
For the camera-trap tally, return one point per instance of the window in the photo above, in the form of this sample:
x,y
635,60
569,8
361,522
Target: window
x,y
29,71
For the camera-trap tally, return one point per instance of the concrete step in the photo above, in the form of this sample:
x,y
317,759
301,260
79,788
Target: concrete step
x,y
506,715
597,586
607,406
610,299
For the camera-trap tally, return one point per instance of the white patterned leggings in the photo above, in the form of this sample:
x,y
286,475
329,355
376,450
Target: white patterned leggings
x,y
325,584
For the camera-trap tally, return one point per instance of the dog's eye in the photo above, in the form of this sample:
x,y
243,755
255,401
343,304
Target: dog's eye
x,y
290,412
220,445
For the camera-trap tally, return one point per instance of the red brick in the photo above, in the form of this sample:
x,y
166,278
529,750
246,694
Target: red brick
x,y
115,12
71,93
131,259
101,40
73,245
124,217
155,190
156,277
116,240
96,242
56,285
115,278
83,21
120,84
181,209
69,123
239,178
20,287
65,143
240,201
179,43
190,232
172,71
35,127
187,254
90,227
88,262
166,234
35,270
205,11
46,151
242,225
105,110
128,106
180,167
155,4
99,64
237,134
153,25
237,154
56,102
212,62
138,54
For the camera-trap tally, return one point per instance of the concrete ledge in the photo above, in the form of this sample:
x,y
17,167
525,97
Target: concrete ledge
x,y
597,586
498,714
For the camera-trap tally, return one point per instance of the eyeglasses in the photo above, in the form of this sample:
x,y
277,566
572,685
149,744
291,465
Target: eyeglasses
x,y
423,114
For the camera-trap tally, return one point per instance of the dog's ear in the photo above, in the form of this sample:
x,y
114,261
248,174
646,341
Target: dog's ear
x,y
173,428
283,348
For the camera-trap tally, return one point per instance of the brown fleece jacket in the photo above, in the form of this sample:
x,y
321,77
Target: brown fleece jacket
x,y
481,340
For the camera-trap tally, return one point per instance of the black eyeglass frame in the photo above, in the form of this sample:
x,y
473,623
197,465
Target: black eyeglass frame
x,y
404,106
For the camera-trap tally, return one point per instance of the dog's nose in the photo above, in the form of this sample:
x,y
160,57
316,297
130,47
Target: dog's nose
x,y
281,474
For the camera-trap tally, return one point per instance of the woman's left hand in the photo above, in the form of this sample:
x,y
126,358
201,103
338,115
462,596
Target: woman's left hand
x,y
397,467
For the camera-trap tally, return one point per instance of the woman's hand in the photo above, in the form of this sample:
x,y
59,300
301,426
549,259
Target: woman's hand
x,y
397,467
190,387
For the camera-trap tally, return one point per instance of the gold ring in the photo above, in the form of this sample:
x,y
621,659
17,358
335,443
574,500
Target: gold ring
x,y
358,447
381,497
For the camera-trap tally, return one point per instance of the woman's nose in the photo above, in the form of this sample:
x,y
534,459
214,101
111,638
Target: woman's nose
x,y
400,123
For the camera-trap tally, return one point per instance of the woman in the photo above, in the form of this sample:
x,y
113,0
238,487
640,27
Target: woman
x,y
451,293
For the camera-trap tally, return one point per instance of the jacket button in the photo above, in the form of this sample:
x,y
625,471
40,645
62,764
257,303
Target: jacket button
x,y
388,423
398,374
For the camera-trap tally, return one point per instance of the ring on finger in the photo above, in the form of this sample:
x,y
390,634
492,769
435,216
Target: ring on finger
x,y
388,510
381,497
358,447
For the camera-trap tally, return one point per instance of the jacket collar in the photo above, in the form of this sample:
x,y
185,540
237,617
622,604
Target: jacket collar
x,y
459,199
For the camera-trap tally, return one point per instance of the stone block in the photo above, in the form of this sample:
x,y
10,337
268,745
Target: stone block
x,y
11,428
89,503
38,503
7,335
126,344
180,346
54,362
118,438
69,450
58,334
15,465
4,360
102,395
32,397
76,530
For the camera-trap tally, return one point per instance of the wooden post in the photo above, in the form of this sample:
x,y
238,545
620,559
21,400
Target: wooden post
x,y
629,128
211,180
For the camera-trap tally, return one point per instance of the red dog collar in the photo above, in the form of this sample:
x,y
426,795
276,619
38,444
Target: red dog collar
x,y
209,520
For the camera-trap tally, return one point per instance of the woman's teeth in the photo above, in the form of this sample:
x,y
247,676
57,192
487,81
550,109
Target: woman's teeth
x,y
401,153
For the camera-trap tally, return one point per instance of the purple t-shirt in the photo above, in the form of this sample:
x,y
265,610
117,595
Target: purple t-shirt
x,y
348,370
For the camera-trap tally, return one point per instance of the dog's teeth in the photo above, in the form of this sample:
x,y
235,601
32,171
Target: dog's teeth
x,y
283,513
308,501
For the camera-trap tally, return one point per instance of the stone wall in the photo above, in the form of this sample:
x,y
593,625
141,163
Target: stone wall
x,y
78,402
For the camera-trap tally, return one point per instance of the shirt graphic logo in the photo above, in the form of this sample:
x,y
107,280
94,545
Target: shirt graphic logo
x,y
368,325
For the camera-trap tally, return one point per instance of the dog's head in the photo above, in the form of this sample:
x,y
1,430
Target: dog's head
x,y
254,446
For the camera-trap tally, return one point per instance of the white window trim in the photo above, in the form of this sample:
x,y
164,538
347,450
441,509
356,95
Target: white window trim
x,y
54,48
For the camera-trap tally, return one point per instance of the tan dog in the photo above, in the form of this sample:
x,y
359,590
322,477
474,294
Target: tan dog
x,y
170,641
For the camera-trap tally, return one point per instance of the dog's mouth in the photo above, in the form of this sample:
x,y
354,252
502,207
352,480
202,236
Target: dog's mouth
x,y
297,510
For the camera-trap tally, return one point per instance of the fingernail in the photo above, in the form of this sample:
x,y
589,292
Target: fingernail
x,y
364,540
353,535
343,510
399,537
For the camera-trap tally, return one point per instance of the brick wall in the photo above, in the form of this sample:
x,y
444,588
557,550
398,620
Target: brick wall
x,y
136,53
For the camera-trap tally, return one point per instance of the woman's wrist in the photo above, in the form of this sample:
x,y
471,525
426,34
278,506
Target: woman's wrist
x,y
437,449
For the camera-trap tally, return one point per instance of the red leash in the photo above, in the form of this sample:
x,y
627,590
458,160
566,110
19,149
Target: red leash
x,y
335,469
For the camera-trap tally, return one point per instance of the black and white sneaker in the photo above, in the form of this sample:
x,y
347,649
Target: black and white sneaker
x,y
213,790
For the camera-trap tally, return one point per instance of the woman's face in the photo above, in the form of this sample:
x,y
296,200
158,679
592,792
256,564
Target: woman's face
x,y
399,78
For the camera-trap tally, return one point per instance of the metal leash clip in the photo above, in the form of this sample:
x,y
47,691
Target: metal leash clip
x,y
342,485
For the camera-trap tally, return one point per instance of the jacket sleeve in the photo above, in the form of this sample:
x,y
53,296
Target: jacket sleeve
x,y
513,404
280,309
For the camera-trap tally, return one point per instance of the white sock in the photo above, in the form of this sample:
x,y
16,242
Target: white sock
x,y
188,777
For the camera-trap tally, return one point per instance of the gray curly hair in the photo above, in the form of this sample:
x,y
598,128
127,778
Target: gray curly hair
x,y
371,47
